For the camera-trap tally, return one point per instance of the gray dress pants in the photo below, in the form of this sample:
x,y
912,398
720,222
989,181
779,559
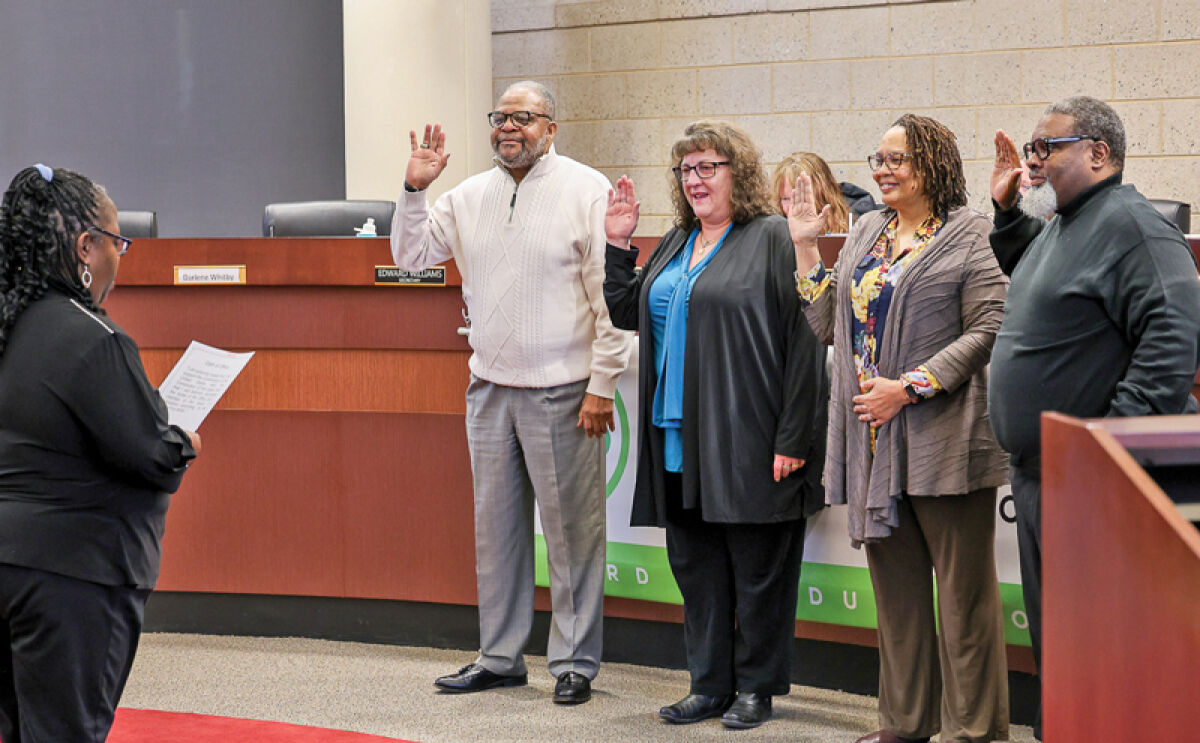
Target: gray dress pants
x,y
526,448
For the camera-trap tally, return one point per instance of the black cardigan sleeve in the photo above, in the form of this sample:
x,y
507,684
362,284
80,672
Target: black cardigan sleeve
x,y
622,286
804,417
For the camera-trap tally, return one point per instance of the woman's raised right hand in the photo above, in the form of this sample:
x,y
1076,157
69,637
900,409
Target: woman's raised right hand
x,y
804,222
621,217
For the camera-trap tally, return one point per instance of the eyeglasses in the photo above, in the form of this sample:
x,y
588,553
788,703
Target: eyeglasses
x,y
521,118
123,242
1043,146
704,169
892,160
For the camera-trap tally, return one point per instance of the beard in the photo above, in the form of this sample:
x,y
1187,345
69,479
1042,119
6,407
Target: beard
x,y
525,157
1040,201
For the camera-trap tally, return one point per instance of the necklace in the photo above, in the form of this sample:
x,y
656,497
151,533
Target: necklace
x,y
705,245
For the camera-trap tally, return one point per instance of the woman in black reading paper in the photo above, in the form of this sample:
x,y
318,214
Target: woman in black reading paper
x,y
87,462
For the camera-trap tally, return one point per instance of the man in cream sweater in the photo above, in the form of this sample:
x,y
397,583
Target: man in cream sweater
x,y
528,238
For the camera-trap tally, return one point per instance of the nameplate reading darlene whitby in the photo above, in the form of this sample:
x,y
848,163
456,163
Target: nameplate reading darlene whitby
x,y
210,274
392,276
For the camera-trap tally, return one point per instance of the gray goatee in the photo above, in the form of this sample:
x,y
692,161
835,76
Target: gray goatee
x,y
1040,201
525,157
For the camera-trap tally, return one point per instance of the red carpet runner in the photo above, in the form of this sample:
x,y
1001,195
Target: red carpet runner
x,y
150,726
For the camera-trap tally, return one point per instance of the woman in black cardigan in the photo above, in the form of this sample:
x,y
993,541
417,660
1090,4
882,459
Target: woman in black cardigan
x,y
732,416
87,460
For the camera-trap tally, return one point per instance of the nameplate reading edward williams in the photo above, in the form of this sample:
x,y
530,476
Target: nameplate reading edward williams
x,y
390,275
210,274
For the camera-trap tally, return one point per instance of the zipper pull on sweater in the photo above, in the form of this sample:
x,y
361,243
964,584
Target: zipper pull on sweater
x,y
512,205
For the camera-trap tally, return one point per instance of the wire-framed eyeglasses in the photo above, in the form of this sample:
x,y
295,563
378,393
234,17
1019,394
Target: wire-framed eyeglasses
x,y
892,160
123,242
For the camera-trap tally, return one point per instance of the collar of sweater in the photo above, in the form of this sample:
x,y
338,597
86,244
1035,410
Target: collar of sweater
x,y
1075,204
541,167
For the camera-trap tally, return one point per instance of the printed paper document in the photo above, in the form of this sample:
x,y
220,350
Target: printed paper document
x,y
197,382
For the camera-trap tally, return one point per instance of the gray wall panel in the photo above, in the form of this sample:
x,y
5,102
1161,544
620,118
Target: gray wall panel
x,y
202,110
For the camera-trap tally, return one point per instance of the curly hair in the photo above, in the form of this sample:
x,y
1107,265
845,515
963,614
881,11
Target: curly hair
x,y
750,196
936,161
40,222
825,186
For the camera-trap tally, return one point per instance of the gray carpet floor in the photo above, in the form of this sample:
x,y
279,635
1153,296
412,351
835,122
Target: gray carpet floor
x,y
387,690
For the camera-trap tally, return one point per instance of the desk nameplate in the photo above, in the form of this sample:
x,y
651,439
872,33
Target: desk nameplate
x,y
392,276
212,275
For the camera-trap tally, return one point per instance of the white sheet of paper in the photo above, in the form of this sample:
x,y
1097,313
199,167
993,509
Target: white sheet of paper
x,y
197,382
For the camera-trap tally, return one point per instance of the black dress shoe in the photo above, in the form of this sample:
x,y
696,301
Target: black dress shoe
x,y
695,707
476,678
747,711
572,688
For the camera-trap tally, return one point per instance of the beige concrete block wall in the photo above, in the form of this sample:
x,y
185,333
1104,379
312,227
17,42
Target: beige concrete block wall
x,y
830,75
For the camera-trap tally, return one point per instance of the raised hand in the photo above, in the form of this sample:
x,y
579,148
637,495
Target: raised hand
x,y
1006,171
621,217
804,222
428,158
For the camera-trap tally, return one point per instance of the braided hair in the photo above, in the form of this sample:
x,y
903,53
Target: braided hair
x,y
40,222
936,161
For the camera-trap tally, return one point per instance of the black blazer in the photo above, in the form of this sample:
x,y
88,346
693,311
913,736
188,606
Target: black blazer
x,y
754,380
87,459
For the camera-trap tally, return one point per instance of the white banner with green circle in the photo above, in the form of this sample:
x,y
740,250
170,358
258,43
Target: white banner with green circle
x,y
835,586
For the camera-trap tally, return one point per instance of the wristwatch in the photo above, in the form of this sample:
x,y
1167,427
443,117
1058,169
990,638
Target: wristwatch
x,y
914,397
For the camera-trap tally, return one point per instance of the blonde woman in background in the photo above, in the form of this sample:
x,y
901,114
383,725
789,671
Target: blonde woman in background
x,y
825,188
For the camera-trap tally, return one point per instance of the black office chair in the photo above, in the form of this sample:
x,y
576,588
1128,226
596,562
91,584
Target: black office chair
x,y
326,218
1177,213
137,224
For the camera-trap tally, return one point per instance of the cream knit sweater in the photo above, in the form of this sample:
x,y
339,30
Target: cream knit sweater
x,y
532,261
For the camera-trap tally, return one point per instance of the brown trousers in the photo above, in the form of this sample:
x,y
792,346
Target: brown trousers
x,y
955,682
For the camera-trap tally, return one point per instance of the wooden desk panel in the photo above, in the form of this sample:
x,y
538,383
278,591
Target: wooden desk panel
x,y
289,317
368,505
413,381
274,261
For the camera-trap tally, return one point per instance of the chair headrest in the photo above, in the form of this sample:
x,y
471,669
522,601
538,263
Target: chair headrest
x,y
326,218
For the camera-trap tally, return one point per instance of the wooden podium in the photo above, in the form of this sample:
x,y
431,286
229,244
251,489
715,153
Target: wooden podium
x,y
1121,578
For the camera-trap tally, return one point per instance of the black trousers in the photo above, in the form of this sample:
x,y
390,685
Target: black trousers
x,y
66,648
739,584
1027,498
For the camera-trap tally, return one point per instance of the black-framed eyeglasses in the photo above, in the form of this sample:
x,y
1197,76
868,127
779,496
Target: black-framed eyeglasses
x,y
892,160
705,169
123,242
521,118
1043,146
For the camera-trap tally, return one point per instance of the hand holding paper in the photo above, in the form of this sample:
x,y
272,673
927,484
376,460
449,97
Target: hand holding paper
x,y
198,381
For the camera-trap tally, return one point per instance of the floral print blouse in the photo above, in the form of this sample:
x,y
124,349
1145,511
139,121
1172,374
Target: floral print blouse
x,y
875,279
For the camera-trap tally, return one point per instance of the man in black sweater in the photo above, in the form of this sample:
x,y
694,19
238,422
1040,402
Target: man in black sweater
x,y
1103,315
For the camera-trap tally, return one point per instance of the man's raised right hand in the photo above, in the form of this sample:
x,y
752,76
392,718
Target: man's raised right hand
x,y
1006,172
428,158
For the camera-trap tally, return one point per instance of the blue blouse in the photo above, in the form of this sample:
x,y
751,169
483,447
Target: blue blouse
x,y
669,296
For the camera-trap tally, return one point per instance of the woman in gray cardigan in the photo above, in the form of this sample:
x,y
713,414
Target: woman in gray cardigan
x,y
912,308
